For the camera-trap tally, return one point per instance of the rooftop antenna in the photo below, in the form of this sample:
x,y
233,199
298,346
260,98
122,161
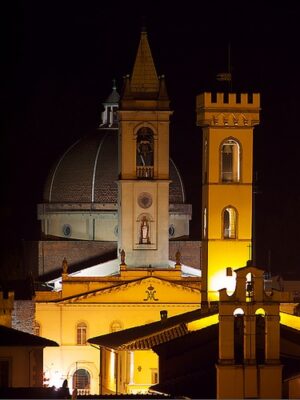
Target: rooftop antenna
x,y
143,20
227,76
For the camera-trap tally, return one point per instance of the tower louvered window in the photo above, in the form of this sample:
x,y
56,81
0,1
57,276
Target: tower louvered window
x,y
144,153
230,161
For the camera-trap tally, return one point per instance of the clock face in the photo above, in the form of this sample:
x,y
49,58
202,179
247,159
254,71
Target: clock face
x,y
145,200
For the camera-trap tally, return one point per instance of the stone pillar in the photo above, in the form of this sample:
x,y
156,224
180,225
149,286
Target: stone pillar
x,y
226,347
272,338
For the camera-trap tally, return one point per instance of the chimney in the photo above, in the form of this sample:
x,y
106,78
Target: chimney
x,y
163,315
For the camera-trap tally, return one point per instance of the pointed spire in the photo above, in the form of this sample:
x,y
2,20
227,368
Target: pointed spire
x,y
144,77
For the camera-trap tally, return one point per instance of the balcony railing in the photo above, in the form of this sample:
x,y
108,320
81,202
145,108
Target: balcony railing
x,y
145,172
83,392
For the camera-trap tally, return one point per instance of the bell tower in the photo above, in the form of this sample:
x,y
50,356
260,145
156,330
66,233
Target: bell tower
x,y
227,121
144,164
249,339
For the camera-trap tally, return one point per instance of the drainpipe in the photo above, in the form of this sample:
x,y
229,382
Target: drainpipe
x,y
117,369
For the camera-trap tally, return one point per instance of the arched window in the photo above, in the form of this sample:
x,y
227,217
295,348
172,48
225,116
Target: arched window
x,y
82,381
81,333
229,223
144,153
230,161
37,328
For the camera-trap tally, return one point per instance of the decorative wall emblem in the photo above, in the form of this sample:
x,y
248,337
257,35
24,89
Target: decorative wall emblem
x,y
171,230
145,200
150,294
67,230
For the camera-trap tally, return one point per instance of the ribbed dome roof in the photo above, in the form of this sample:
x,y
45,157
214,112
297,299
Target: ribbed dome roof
x,y
88,172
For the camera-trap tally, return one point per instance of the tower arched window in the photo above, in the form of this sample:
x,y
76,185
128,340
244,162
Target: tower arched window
x,y
81,330
229,223
144,153
230,161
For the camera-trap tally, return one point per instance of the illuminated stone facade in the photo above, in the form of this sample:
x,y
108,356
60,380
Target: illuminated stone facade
x,y
227,122
140,282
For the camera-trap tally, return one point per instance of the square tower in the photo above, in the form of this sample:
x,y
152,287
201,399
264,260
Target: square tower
x,y
227,121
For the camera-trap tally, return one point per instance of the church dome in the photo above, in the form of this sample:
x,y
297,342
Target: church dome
x,y
88,172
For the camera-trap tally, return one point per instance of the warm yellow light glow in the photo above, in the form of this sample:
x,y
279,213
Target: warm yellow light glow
x,y
203,322
219,281
55,378
292,321
260,311
238,311
131,367
112,361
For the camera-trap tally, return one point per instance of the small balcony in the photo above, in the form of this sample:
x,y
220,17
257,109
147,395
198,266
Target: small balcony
x,y
145,172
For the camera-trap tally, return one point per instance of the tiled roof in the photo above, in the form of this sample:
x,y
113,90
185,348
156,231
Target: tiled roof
x,y
88,172
13,337
149,335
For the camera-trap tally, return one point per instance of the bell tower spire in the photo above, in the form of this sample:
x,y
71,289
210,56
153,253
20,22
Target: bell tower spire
x,y
144,164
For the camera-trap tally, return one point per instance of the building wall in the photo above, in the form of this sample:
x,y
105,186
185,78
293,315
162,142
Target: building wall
x,y
23,315
49,254
190,251
25,365
52,253
58,322
101,226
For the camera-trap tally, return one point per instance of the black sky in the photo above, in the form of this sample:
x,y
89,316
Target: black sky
x,y
59,59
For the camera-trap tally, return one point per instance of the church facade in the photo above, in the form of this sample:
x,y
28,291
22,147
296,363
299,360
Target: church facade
x,y
128,199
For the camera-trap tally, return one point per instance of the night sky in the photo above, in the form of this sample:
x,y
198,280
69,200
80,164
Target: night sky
x,y
59,60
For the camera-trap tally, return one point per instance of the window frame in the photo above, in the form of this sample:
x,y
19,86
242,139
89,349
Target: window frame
x,y
235,172
81,334
233,236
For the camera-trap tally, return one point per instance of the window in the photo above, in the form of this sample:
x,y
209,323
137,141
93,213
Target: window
x,y
154,376
229,223
81,333
81,381
144,153
37,329
230,161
